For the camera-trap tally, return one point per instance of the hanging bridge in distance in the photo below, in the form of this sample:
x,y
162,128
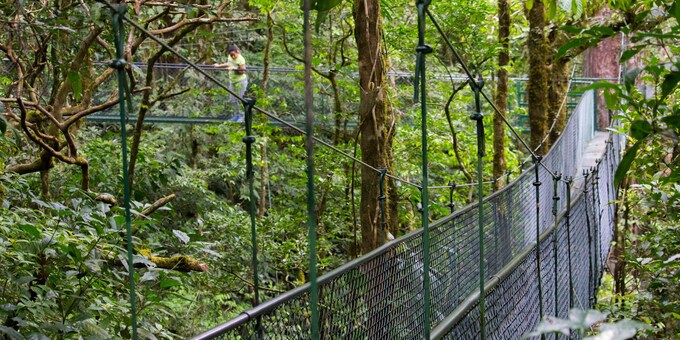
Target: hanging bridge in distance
x,y
564,204
217,109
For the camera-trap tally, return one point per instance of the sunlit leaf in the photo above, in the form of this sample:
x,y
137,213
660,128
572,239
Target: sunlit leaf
x,y
182,236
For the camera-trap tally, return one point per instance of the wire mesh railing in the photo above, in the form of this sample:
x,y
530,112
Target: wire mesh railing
x,y
380,295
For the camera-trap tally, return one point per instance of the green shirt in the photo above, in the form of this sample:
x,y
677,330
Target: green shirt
x,y
236,75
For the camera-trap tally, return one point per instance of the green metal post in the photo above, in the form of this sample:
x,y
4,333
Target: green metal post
x,y
249,139
452,208
479,118
567,216
596,230
556,197
537,185
422,50
119,65
591,271
309,146
452,188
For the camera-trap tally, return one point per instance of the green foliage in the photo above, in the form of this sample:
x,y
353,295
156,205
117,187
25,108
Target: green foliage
x,y
62,270
581,321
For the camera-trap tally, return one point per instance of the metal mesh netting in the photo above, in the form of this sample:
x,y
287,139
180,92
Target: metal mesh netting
x,y
380,295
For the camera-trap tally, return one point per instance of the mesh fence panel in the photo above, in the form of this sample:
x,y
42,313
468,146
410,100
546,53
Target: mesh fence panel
x,y
380,296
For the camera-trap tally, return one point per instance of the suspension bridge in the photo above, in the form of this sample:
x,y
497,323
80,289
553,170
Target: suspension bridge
x,y
547,237
493,269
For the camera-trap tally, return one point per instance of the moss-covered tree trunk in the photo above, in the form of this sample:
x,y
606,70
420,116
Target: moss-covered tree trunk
x,y
557,106
537,86
501,99
375,118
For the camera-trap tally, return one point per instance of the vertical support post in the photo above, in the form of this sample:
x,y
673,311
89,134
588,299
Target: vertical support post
x,y
537,185
568,181
119,64
591,263
556,198
422,50
452,188
452,208
597,230
309,146
248,104
381,199
479,118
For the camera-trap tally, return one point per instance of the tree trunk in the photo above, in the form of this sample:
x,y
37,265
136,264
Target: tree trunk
x,y
266,59
374,117
537,86
602,61
501,99
557,106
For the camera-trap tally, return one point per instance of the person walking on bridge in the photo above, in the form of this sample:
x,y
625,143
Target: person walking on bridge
x,y
238,80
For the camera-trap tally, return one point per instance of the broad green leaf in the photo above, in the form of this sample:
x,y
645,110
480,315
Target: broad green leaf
x,y
571,29
166,283
326,5
577,8
626,162
529,4
92,329
552,9
624,329
630,77
320,17
640,129
30,229
76,84
569,45
586,318
11,332
149,276
566,6
182,236
611,98
553,324
672,121
676,10
670,83
631,52
600,85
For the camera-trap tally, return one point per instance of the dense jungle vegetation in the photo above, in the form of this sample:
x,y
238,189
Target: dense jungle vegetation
x,y
63,249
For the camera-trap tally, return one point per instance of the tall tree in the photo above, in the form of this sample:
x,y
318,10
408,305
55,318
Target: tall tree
x,y
537,85
602,61
501,98
376,118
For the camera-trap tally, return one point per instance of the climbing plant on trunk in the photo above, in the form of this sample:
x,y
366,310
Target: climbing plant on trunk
x,y
376,120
